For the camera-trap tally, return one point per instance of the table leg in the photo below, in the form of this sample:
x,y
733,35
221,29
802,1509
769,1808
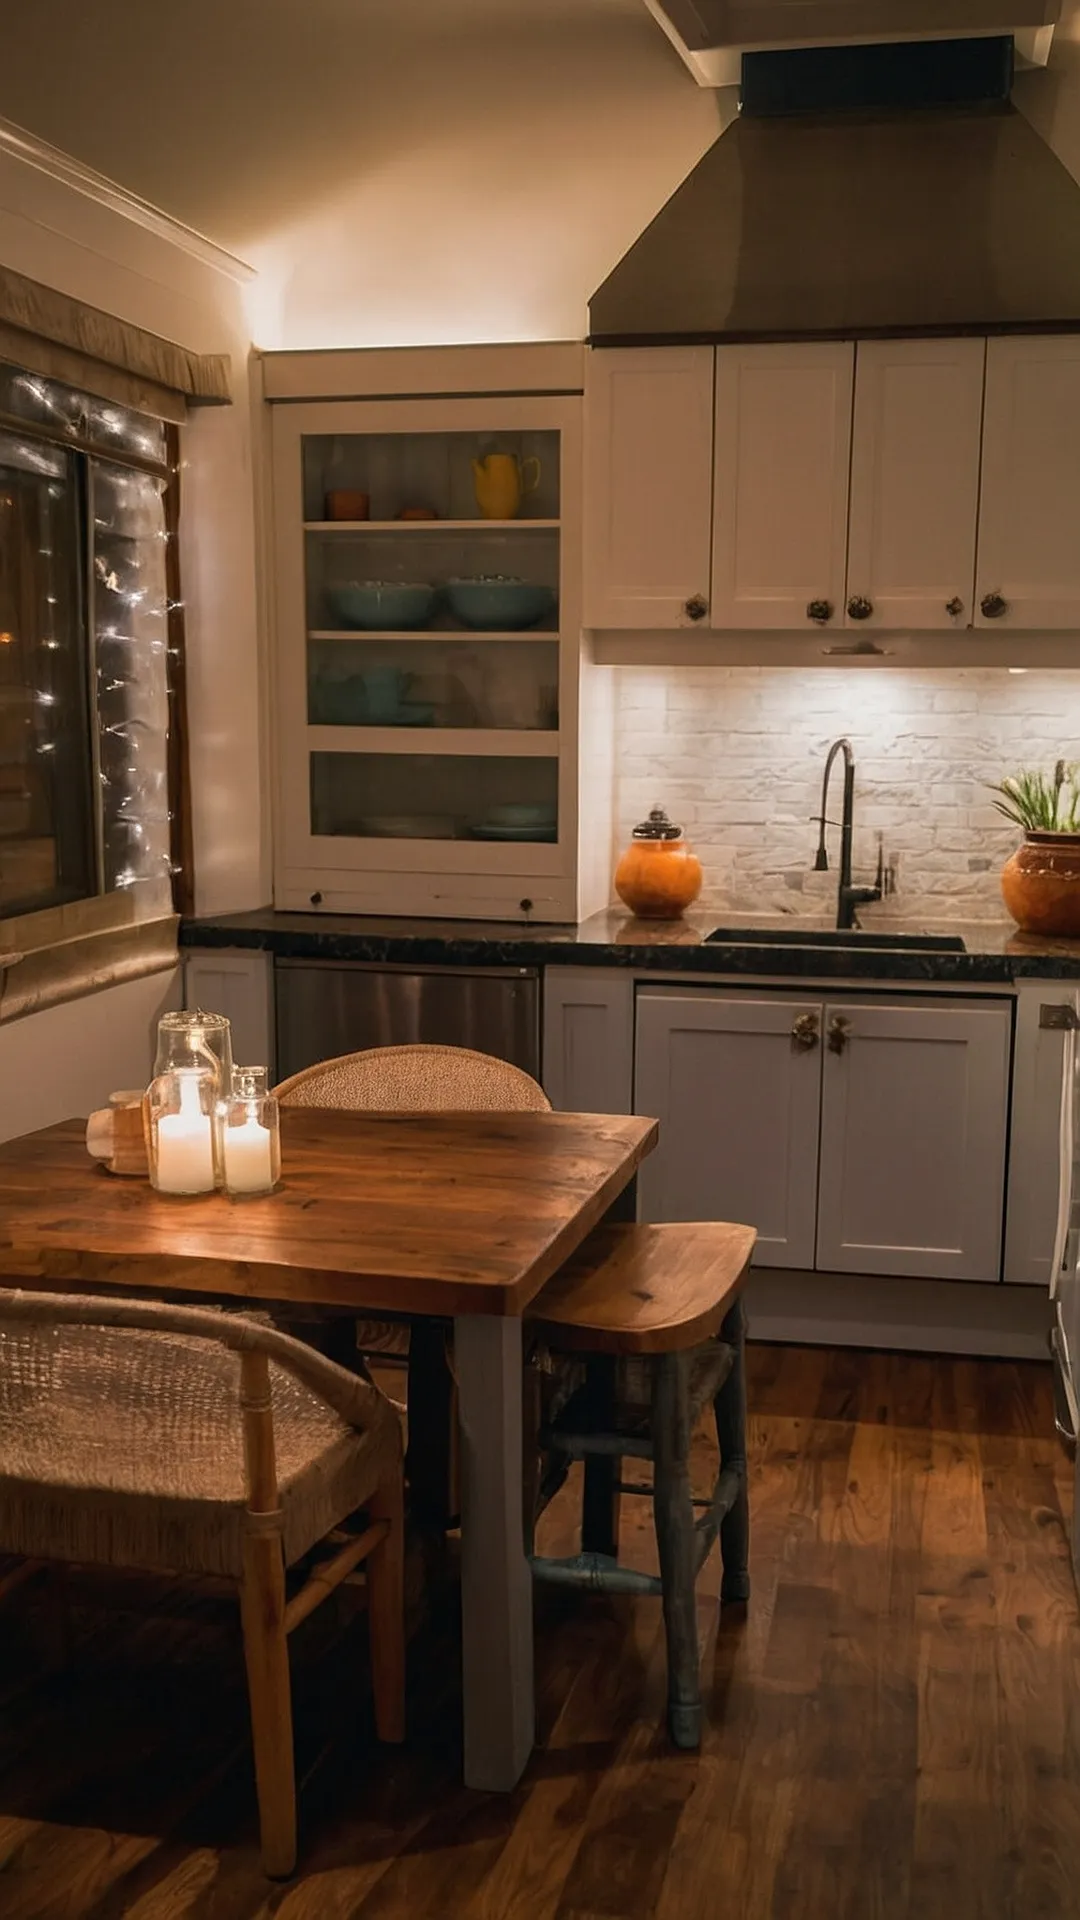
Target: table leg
x,y
496,1585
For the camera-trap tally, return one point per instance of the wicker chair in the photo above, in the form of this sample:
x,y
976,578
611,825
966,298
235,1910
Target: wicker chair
x,y
418,1079
130,1437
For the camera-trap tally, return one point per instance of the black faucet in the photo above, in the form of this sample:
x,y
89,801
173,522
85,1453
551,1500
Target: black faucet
x,y
848,897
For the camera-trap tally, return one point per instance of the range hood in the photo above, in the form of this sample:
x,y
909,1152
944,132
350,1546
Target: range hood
x,y
712,35
833,208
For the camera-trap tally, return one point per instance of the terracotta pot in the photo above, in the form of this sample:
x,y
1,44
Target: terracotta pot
x,y
348,503
658,877
1041,884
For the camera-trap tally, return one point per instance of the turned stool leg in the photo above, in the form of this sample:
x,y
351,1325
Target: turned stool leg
x,y
730,1409
673,1516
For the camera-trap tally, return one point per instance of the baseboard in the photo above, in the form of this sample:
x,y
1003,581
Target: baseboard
x,y
916,1316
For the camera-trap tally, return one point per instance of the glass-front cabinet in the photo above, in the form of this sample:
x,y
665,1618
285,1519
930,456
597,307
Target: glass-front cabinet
x,y
427,633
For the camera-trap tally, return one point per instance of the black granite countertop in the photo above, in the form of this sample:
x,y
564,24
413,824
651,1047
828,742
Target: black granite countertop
x,y
995,953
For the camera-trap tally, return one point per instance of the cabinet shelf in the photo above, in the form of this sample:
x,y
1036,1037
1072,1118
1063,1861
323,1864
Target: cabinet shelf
x,y
523,743
359,635
431,526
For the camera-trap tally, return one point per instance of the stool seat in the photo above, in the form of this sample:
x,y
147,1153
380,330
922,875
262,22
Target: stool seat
x,y
655,1313
645,1289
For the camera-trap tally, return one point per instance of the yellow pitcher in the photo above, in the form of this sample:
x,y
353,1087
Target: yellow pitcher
x,y
500,480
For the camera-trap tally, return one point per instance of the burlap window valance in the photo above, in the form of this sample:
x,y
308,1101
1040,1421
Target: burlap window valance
x,y
51,334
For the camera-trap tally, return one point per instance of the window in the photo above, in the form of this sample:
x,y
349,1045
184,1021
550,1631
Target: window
x,y
84,646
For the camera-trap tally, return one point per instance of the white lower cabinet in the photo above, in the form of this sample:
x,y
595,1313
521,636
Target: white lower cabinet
x,y
588,1051
914,1120
738,1098
857,1136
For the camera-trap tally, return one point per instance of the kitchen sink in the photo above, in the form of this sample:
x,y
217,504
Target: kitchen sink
x,y
833,937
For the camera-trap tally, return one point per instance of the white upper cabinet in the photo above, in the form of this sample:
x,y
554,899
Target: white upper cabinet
x,y
914,483
783,443
914,1120
909,486
648,486
1028,570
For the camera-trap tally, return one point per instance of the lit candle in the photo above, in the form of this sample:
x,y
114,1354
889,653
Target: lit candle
x,y
185,1148
249,1164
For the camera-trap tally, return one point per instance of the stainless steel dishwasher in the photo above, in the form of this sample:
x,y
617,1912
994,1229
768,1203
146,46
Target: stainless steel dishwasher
x,y
327,1007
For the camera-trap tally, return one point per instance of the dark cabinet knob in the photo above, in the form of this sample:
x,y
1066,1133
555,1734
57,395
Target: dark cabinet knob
x,y
859,607
316,899
819,611
805,1032
954,607
993,605
839,1030
696,607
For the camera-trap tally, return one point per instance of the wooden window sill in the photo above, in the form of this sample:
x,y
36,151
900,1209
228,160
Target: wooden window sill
x,y
67,952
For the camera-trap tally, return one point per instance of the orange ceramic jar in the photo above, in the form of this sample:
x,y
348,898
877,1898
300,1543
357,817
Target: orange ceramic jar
x,y
1041,884
658,877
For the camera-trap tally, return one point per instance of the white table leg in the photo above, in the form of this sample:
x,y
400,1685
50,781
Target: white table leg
x,y
496,1585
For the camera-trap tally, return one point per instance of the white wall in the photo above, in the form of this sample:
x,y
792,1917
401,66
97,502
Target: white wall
x,y
66,1061
402,172
486,187
58,236
737,754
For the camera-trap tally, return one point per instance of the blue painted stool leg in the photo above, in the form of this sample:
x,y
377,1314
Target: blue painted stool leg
x,y
730,1409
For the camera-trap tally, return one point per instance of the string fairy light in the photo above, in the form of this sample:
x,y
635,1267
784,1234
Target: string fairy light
x,y
128,612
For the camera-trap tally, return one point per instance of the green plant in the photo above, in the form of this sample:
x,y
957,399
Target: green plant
x,y
1041,805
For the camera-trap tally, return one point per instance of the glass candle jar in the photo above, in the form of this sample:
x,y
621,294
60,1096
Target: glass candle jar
x,y
183,1129
250,1135
182,1038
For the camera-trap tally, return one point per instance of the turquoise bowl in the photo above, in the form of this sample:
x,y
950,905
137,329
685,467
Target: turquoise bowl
x,y
499,604
383,605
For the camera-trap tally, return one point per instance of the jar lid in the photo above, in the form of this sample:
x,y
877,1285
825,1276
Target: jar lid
x,y
657,827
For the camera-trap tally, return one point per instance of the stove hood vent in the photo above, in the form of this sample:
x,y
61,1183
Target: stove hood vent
x,y
863,191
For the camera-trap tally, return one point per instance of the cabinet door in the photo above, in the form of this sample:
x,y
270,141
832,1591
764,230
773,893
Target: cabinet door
x,y
913,1128
239,984
648,486
915,482
737,1096
1028,568
783,449
588,1039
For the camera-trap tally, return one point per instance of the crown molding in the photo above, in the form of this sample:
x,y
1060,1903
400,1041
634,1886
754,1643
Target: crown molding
x,y
21,145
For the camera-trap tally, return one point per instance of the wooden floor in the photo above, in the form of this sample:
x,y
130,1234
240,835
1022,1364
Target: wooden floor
x,y
895,1722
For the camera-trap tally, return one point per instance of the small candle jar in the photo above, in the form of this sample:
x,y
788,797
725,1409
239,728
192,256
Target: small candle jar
x,y
250,1135
182,1127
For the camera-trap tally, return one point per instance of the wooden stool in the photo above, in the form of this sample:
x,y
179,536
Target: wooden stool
x,y
657,1313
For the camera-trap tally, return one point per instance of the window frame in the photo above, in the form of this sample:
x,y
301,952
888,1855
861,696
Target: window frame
x,y
55,953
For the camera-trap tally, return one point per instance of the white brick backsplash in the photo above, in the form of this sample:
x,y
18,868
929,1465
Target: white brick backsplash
x,y
737,755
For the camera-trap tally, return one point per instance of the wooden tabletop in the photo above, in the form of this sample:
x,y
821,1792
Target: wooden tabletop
x,y
449,1213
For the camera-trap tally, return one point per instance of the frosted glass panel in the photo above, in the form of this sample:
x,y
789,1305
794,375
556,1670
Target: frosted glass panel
x,y
431,683
434,797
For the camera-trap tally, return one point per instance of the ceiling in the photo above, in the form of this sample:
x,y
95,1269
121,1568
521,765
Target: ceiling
x,y
225,115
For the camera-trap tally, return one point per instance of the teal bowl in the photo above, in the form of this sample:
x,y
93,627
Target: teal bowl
x,y
499,604
383,605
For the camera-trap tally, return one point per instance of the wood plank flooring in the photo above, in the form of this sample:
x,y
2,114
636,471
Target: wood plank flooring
x,y
894,1722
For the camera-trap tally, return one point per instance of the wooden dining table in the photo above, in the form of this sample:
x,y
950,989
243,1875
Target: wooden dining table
x,y
459,1216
